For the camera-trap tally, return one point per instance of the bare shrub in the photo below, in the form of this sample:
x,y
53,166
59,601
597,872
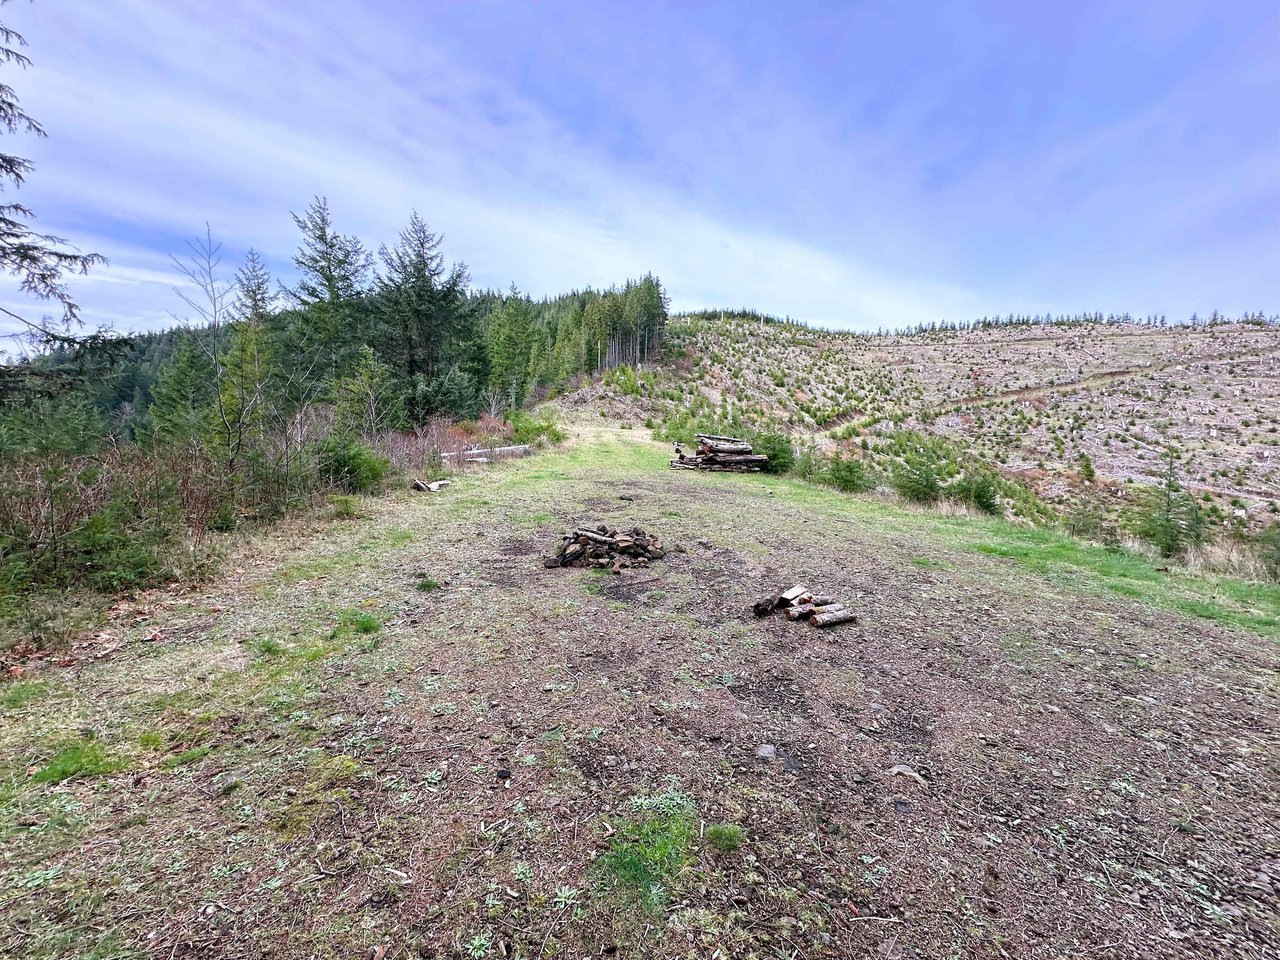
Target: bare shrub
x,y
1225,557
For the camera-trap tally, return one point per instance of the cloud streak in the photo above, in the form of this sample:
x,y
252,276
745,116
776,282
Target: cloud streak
x,y
744,163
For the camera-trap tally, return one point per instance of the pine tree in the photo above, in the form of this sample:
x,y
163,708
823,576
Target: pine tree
x,y
182,405
421,303
333,271
41,262
368,400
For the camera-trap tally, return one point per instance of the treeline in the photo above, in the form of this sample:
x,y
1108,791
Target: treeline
x,y
272,393
443,349
1195,321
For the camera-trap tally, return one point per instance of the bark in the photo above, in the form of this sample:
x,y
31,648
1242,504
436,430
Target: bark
x,y
834,616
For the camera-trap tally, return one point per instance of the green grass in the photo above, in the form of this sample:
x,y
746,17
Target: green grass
x,y
84,758
1232,603
725,837
651,850
17,695
186,756
359,621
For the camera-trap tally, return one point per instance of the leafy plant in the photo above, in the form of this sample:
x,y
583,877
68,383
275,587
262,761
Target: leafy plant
x,y
977,488
916,480
350,464
849,475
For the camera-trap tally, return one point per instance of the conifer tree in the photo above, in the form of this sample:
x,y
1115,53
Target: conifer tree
x,y
333,270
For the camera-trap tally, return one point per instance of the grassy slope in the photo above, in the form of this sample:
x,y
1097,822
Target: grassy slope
x,y
320,737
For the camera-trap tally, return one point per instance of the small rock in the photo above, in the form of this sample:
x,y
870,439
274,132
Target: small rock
x,y
903,770
627,497
766,751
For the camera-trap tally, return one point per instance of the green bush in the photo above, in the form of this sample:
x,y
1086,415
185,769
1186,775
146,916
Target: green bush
x,y
916,480
978,488
849,475
351,465
526,428
810,462
778,448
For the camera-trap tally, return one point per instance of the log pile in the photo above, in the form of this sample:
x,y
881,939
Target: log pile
x,y
607,548
799,603
727,454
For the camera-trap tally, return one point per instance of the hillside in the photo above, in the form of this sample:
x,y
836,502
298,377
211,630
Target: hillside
x,y
400,735
1033,400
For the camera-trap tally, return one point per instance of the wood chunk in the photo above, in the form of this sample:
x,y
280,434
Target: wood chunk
x,y
790,596
832,616
801,612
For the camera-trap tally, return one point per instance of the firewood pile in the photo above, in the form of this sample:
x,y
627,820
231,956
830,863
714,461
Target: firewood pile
x,y
729,454
607,548
800,603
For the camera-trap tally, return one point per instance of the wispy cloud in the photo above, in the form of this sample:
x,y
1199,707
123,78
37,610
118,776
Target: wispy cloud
x,y
791,164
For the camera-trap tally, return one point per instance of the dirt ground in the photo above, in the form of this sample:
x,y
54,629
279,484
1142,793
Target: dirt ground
x,y
402,736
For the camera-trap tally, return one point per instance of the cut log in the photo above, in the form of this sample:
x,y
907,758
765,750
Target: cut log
x,y
518,450
727,458
594,537
790,596
802,612
832,616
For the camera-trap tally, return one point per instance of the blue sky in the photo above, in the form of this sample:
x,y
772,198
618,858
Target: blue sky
x,y
850,164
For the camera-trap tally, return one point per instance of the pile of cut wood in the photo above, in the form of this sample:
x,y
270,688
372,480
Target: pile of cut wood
x,y
730,454
607,548
800,603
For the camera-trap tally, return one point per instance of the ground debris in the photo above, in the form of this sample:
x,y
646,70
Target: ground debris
x,y
799,603
607,548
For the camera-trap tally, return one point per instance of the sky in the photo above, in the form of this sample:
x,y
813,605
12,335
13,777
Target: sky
x,y
855,165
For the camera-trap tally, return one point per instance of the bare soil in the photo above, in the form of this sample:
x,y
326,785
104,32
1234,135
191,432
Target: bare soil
x,y
1097,777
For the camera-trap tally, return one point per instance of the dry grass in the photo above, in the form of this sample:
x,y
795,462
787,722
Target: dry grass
x,y
314,757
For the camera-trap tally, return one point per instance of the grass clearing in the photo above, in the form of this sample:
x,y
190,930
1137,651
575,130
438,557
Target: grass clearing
x,y
85,758
471,769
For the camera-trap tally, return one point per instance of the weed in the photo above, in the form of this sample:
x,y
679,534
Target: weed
x,y
725,837
478,946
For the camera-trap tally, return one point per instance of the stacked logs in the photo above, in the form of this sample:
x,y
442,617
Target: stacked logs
x,y
607,548
799,603
728,454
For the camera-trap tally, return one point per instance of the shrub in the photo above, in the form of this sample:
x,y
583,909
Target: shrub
x,y
349,464
778,448
527,428
810,463
849,475
1169,518
978,488
916,480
